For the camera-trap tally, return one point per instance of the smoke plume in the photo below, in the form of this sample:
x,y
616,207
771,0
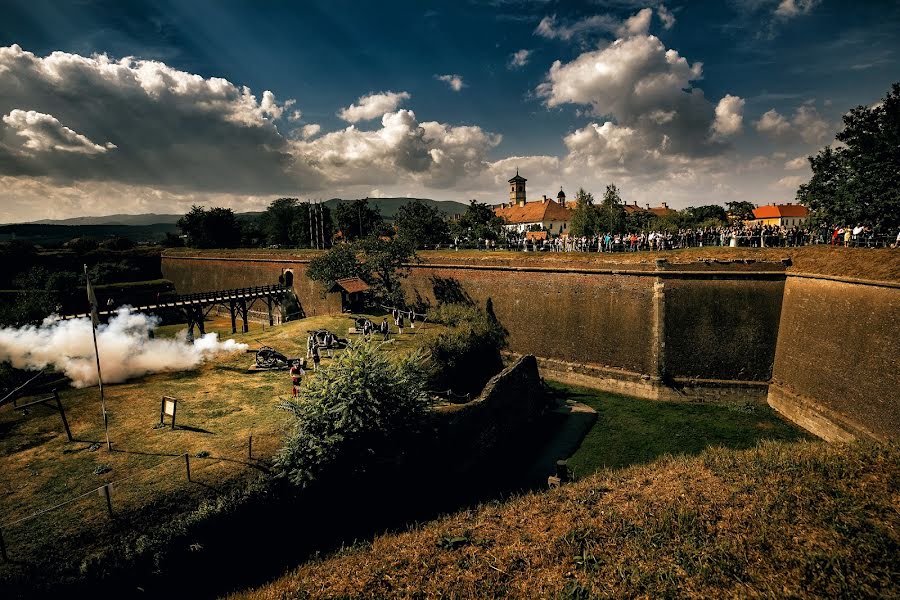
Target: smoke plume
x,y
127,348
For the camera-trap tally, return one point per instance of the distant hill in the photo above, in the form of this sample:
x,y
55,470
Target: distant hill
x,y
388,207
44,234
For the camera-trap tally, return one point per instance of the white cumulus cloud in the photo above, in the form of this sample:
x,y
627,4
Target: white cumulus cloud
x,y
44,132
806,125
729,116
788,9
373,106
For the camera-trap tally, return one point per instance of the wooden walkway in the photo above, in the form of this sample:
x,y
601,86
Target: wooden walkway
x,y
197,306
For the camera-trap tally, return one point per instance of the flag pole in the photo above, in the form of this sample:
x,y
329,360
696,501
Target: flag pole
x,y
95,320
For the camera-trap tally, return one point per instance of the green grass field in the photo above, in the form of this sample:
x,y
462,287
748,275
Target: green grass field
x,y
220,405
631,431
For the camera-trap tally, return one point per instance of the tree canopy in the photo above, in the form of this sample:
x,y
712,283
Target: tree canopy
x,y
356,219
859,180
420,225
478,223
380,263
612,210
289,222
213,228
585,218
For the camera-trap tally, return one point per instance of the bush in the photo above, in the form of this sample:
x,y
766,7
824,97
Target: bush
x,y
358,412
464,358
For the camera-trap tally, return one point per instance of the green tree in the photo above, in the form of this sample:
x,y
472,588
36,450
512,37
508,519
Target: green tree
x,y
380,263
213,228
360,411
356,219
612,211
704,216
859,182
289,222
740,210
420,225
585,219
478,223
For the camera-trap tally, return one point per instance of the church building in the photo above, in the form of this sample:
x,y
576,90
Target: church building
x,y
521,215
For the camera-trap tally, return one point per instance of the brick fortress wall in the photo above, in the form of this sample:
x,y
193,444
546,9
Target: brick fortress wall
x,y
706,332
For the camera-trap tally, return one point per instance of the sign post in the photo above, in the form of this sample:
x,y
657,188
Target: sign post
x,y
167,409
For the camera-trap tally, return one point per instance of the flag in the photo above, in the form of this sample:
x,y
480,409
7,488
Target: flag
x,y
92,299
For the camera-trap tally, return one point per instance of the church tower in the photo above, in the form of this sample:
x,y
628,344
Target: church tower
x,y
517,189
561,197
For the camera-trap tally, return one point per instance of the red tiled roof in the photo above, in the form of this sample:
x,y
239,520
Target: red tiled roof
x,y
535,235
661,211
780,210
534,212
351,285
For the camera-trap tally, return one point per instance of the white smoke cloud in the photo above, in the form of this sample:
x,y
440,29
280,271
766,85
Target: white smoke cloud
x,y
125,346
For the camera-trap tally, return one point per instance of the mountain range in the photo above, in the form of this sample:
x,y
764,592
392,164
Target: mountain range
x,y
387,206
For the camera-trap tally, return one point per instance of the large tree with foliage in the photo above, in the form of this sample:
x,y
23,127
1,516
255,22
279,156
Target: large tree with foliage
x,y
740,210
289,222
213,228
710,215
356,219
478,223
859,181
421,225
585,219
380,263
612,210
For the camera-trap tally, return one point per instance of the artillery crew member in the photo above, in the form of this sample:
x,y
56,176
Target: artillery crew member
x,y
329,342
385,329
400,323
316,358
296,376
310,344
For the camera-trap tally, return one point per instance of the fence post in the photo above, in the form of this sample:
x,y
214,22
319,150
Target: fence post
x,y
3,554
250,447
105,490
187,465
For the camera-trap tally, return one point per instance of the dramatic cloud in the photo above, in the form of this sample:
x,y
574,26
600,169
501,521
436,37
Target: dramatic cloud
x,y
806,125
44,132
373,106
729,116
454,81
139,122
646,89
519,59
403,149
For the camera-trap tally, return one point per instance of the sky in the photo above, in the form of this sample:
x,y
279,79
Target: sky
x,y
133,107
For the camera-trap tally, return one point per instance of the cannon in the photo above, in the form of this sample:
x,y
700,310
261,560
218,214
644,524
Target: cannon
x,y
270,358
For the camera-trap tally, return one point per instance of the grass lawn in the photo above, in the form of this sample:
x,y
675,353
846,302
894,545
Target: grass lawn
x,y
221,403
632,431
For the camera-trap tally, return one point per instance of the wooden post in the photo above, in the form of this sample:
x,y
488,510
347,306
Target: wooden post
x,y
233,317
3,554
200,317
244,326
105,490
250,447
187,465
62,413
271,318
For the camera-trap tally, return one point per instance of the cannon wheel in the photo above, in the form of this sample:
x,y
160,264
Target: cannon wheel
x,y
266,357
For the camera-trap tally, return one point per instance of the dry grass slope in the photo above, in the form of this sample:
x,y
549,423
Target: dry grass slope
x,y
780,520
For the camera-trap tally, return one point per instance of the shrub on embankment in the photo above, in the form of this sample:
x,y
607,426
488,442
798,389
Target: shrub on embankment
x,y
467,355
779,520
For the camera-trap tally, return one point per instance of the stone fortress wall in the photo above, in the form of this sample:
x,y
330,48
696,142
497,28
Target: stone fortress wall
x,y
824,351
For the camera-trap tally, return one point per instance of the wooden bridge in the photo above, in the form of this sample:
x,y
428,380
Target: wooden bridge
x,y
196,307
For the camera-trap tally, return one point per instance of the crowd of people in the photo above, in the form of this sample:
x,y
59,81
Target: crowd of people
x,y
756,236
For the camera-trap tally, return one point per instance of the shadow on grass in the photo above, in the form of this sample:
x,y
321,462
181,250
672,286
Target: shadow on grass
x,y
632,431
